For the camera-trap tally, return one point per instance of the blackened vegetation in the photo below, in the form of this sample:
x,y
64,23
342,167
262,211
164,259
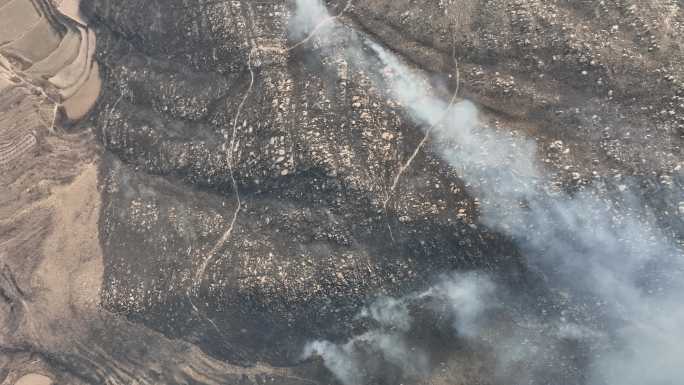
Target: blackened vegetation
x,y
314,159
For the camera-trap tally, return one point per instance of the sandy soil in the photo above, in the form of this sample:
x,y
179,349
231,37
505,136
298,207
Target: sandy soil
x,y
36,44
65,54
71,8
72,264
49,208
18,17
78,105
34,379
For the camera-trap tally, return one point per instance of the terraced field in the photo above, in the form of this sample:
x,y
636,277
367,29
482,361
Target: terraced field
x,y
21,118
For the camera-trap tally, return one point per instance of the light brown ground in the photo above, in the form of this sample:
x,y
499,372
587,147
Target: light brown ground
x,y
71,9
34,379
72,263
48,226
79,104
65,54
18,16
37,43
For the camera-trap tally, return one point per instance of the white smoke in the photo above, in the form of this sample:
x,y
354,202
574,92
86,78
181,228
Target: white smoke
x,y
310,16
340,360
389,312
465,296
623,277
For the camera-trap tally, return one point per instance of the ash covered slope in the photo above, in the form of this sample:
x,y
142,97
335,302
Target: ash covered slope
x,y
313,157
207,114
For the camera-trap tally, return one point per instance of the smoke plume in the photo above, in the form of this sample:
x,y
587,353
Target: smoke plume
x,y
388,347
309,15
621,279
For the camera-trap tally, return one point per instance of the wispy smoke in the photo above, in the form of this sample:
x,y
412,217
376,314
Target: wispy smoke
x,y
622,280
310,15
357,361
389,312
340,360
467,297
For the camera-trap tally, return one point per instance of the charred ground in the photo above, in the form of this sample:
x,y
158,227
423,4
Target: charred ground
x,y
314,150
